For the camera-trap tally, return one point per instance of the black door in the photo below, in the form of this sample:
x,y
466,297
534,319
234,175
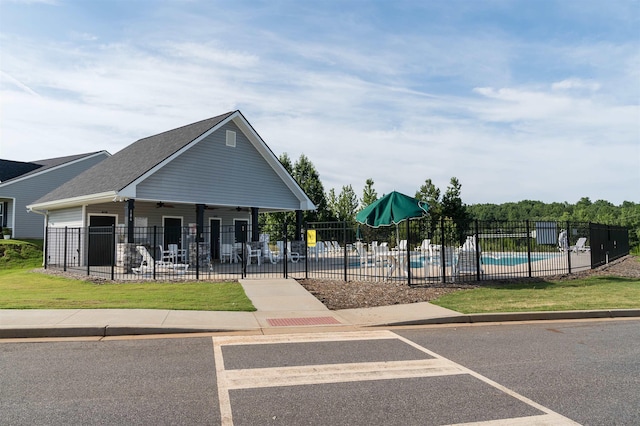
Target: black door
x,y
242,231
101,241
172,231
215,239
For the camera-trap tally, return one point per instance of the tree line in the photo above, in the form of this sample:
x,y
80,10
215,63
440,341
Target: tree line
x,y
344,206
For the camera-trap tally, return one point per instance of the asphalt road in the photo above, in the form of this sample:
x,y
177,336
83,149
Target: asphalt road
x,y
548,372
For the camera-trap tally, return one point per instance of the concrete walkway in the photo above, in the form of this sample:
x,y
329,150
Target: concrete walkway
x,y
282,305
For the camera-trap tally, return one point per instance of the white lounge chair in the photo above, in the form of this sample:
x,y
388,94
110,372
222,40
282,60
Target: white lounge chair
x,y
292,256
318,251
426,249
580,246
148,264
363,254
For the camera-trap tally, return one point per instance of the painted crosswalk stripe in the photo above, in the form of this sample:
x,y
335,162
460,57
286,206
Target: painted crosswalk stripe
x,y
435,365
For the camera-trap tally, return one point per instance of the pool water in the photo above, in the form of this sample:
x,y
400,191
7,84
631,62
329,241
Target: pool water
x,y
504,259
512,259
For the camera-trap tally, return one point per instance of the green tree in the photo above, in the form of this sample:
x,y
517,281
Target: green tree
x,y
429,193
345,205
305,173
455,209
369,194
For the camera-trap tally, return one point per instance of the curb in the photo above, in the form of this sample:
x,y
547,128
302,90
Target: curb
x,y
109,331
522,316
102,331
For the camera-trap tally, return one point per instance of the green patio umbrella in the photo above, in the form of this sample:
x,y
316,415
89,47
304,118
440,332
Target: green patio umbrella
x,y
392,209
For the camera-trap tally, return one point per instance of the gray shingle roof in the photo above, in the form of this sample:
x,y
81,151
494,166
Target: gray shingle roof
x,y
11,169
16,169
122,168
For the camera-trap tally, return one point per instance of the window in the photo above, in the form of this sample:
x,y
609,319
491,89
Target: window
x,y
3,218
231,138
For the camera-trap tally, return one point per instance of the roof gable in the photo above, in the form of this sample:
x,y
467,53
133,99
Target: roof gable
x,y
127,165
117,177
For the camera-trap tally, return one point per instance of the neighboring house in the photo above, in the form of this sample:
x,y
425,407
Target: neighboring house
x,y
22,183
215,174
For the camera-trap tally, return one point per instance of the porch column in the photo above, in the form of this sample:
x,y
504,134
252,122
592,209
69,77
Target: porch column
x,y
298,235
200,221
129,214
255,229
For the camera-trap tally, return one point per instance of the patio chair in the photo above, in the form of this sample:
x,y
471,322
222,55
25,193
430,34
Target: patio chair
x,y
433,268
252,253
275,256
318,250
227,252
291,255
426,249
165,255
177,254
402,246
465,263
580,246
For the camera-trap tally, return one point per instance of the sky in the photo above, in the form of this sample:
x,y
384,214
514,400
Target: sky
x,y
517,99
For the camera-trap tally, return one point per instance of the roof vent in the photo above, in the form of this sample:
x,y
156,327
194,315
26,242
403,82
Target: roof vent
x,y
231,138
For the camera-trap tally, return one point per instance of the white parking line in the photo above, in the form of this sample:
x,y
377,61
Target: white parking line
x,y
436,365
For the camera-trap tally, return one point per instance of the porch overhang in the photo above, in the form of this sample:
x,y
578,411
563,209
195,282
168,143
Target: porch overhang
x,y
75,201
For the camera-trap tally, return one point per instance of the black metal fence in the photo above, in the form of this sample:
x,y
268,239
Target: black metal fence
x,y
416,252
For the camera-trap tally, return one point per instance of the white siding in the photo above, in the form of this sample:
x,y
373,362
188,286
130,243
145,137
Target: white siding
x,y
71,218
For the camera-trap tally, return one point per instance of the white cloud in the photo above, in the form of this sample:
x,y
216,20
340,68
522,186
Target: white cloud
x,y
576,83
398,108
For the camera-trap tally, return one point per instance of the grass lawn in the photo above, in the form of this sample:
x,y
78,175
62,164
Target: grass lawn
x,y
597,292
22,289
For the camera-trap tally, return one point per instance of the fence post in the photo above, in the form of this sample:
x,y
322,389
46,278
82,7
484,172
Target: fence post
x,y
113,251
408,259
245,254
78,251
569,245
64,251
344,247
285,256
155,245
46,246
443,259
528,246
88,249
306,251
478,255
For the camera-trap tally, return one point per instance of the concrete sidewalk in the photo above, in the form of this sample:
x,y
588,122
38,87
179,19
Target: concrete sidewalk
x,y
282,304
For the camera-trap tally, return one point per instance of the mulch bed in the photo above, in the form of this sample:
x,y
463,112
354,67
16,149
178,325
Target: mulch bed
x,y
365,294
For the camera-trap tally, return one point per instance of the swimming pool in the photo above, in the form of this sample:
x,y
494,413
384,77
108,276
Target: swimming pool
x,y
500,259
513,259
